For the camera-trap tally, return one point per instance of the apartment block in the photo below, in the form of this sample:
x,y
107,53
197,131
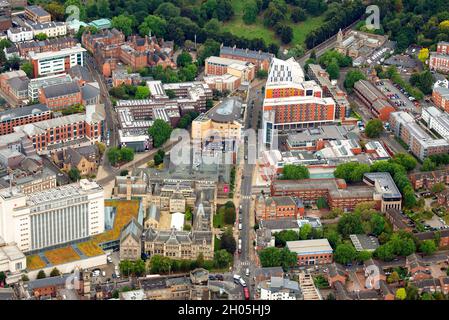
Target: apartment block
x,y
52,217
12,118
50,29
439,60
375,100
53,62
426,180
37,14
291,103
420,142
227,74
440,96
270,208
260,59
68,131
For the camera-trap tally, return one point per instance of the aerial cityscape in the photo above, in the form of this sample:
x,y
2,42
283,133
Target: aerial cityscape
x,y
232,150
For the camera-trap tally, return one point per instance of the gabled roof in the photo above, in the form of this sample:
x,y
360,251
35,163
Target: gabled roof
x,y
62,89
133,229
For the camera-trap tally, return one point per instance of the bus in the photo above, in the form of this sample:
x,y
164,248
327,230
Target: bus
x,y
246,293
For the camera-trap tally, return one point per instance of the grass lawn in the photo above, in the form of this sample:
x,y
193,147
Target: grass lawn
x,y
35,262
219,220
126,209
216,243
90,249
257,30
61,255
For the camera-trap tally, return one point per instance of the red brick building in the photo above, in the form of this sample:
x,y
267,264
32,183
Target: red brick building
x,y
260,59
60,96
270,208
439,60
20,116
440,96
373,99
426,180
311,252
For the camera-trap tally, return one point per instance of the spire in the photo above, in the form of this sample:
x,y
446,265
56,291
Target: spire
x,y
339,37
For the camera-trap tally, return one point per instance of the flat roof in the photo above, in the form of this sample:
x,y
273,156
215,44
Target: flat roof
x,y
363,242
228,110
305,247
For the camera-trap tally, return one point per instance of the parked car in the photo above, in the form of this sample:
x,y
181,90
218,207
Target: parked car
x,y
219,277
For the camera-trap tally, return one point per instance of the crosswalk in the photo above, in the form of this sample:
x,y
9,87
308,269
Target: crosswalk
x,y
246,197
245,263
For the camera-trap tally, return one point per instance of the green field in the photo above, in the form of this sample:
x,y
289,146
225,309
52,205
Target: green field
x,y
257,30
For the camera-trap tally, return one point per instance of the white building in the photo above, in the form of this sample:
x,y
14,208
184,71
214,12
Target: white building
x,y
35,84
11,258
20,34
51,29
278,288
51,217
437,120
51,62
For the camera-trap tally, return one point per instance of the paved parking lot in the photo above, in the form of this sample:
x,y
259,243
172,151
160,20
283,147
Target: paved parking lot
x,y
396,97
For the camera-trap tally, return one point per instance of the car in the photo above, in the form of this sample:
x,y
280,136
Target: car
x,y
240,226
212,277
114,276
219,277
236,278
109,259
247,272
103,273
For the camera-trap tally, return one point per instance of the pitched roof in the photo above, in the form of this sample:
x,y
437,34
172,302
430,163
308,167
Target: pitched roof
x,y
133,229
61,89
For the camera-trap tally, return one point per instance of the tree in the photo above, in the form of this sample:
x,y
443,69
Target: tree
x,y
305,231
123,23
333,70
55,272
25,278
345,253
104,11
229,213
298,15
406,160
351,171
41,275
377,224
285,32
167,10
250,12
160,131
363,256
438,187
74,174
261,74
160,264
126,154
374,128
28,68
209,48
159,157
428,165
113,155
393,277
295,172
41,36
142,92
184,59
401,294
222,259
428,247
154,24
283,236
124,173
352,77
56,10
423,54
321,203
227,241
350,224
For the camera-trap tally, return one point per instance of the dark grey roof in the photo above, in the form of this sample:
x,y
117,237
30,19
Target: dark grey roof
x,y
280,224
89,92
228,110
23,112
134,229
37,10
61,89
53,281
336,269
19,84
269,272
81,73
245,53
7,294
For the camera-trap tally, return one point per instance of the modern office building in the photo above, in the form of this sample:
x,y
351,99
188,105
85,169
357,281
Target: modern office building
x,y
52,217
35,84
53,62
437,120
311,252
291,102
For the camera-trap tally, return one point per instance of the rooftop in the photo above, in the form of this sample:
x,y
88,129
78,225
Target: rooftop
x,y
363,242
305,247
23,112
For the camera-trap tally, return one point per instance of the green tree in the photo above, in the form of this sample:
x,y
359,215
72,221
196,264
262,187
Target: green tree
x,y
159,157
167,10
184,59
124,173
428,247
283,236
374,128
352,77
350,224
363,255
212,25
160,264
160,131
428,165
154,24
55,272
295,172
25,278
74,174
126,154
378,224
393,277
123,23
305,231
113,155
438,187
41,274
345,253
298,15
333,70
406,160
351,171
321,203
222,259
401,294
285,32
41,36
250,11
28,68
227,241
142,92
56,10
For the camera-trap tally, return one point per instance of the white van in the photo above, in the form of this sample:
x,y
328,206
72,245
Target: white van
x,y
247,272
240,226
242,282
237,278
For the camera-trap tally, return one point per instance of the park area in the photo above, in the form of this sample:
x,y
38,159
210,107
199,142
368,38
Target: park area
x,y
257,29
